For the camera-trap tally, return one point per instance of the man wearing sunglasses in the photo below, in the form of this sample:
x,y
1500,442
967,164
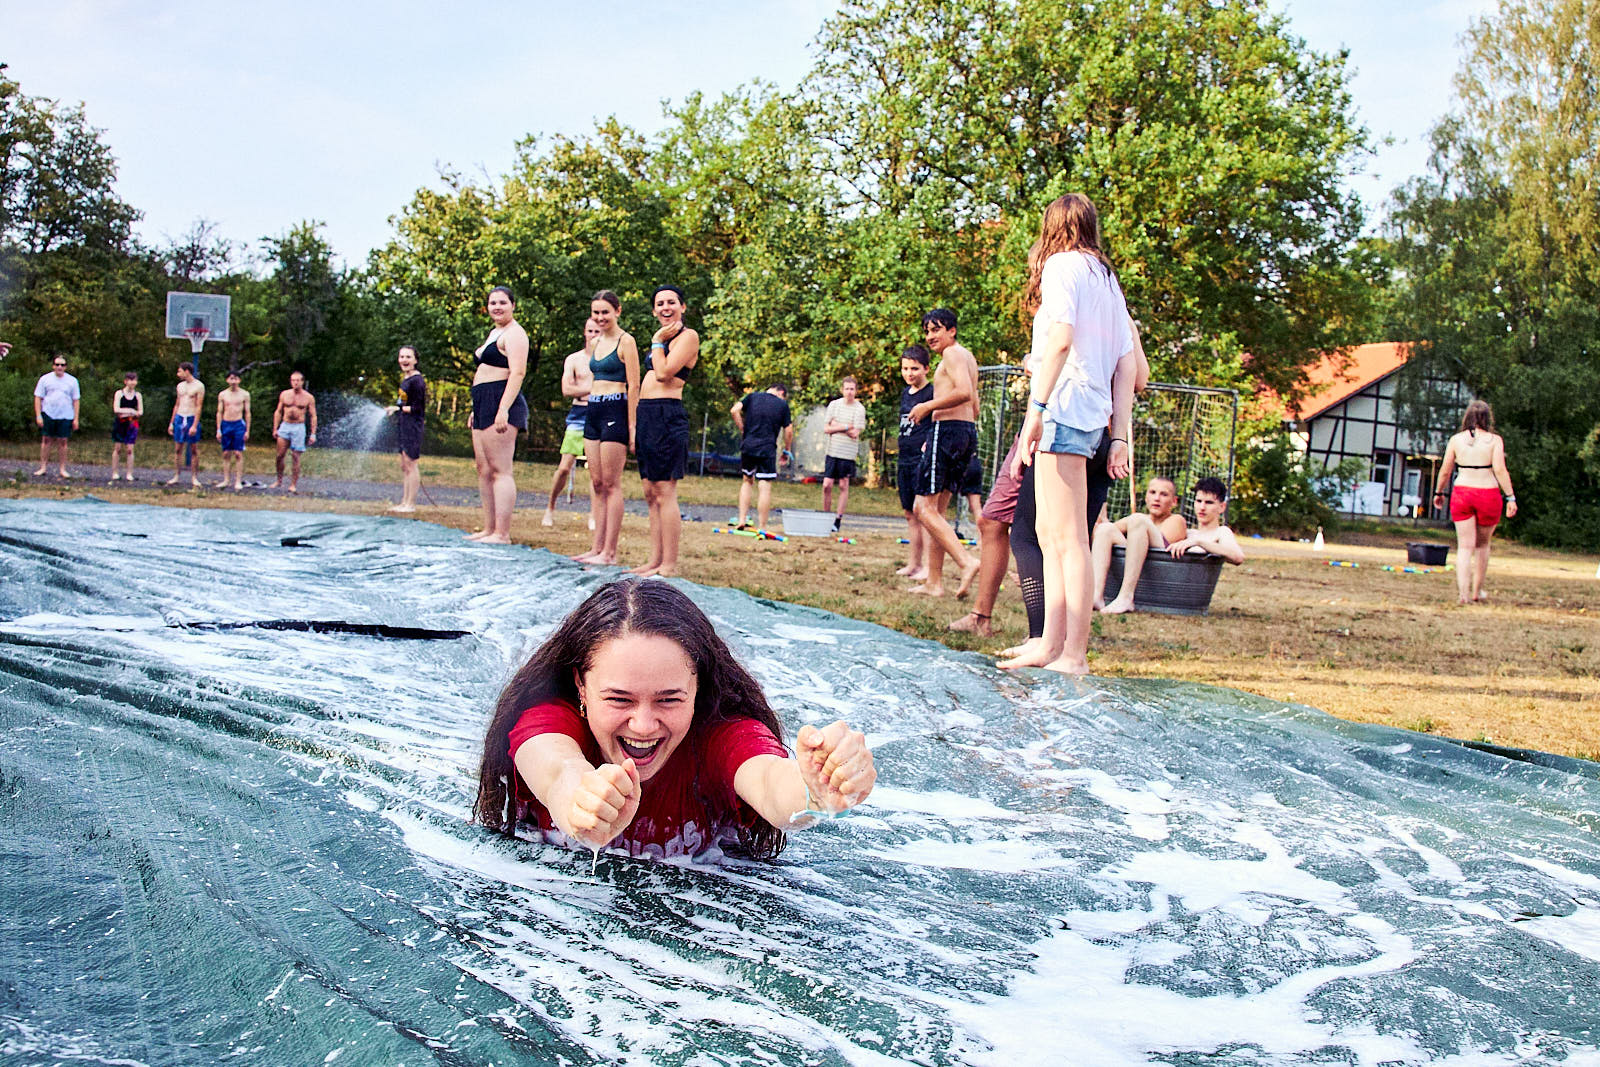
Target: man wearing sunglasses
x,y
56,400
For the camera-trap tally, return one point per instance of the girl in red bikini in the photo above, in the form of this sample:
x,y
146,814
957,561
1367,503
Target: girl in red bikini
x,y
633,726
1478,456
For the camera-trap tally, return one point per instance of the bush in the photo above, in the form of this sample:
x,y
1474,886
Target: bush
x,y
1278,490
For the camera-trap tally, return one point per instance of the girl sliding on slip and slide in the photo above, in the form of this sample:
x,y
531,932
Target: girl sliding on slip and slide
x,y
633,725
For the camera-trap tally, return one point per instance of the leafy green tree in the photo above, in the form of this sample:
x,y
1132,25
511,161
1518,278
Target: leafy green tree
x,y
1499,254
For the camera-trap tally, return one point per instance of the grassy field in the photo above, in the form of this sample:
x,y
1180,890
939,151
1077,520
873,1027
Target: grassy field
x,y
1358,642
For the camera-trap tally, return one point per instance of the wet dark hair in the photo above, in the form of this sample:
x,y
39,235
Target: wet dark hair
x,y
668,289
1215,486
186,366
1478,416
609,297
724,690
918,353
781,387
131,376
407,348
509,294
942,317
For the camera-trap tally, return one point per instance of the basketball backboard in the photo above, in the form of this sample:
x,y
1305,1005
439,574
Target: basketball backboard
x,y
188,312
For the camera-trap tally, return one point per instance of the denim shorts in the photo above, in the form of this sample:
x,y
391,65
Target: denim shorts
x,y
1070,440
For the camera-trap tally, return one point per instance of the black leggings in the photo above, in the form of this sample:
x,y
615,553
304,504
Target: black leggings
x,y
1025,537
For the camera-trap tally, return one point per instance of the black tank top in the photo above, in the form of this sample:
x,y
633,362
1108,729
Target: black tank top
x,y
683,372
127,403
491,357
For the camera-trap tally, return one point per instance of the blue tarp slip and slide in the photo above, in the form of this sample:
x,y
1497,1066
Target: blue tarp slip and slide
x,y
223,842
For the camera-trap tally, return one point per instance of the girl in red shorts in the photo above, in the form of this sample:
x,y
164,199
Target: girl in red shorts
x,y
1477,456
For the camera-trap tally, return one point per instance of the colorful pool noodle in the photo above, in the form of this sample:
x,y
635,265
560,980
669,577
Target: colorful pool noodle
x,y
1410,569
1342,563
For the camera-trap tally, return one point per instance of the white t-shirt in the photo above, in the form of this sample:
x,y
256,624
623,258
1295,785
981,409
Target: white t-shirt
x,y
842,445
1075,288
57,393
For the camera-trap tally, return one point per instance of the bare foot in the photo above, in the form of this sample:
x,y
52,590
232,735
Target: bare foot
x,y
906,572
1064,665
66,474
401,509
666,572
237,487
40,473
972,623
221,485
926,590
604,561
172,480
645,570
1483,597
1463,601
479,536
584,557
1036,656
294,489
968,573
1027,648
494,539
1118,606
549,519
194,483
919,575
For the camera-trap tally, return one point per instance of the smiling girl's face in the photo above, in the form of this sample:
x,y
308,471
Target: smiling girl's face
x,y
602,314
639,693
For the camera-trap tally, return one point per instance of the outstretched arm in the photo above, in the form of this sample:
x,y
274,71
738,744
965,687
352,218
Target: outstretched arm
x,y
588,803
832,771
1218,542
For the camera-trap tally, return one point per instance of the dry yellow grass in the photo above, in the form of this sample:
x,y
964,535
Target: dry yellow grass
x,y
1360,643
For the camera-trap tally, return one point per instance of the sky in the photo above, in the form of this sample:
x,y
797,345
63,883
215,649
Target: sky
x,y
256,116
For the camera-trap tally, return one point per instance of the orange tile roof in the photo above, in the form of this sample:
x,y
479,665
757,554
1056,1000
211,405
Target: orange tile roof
x,y
1337,377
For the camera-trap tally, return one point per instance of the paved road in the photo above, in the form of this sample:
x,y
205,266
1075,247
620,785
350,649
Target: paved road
x,y
90,476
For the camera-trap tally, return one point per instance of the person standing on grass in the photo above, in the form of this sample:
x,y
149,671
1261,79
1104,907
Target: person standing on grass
x,y
611,427
233,429
843,424
1477,456
294,426
184,425
575,383
410,413
761,417
952,442
1081,339
127,408
57,401
914,371
499,412
663,445
1159,525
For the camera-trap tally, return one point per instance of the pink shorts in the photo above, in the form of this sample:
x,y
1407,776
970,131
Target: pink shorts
x,y
1484,504
1002,503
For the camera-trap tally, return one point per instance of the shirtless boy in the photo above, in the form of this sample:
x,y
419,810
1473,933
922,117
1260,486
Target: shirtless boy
x,y
1156,527
951,443
1210,501
184,426
295,407
233,429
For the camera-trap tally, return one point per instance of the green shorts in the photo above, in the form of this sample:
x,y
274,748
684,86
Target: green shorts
x,y
572,441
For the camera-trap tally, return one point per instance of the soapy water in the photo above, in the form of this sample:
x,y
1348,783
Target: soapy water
x,y
250,844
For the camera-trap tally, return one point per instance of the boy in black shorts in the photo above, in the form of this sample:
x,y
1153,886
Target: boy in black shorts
x,y
914,370
760,418
952,442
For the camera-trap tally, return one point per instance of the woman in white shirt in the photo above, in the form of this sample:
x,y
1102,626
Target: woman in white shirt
x,y
1085,355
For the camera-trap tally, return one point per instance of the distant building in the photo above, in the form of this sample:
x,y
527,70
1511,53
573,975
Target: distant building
x,y
1349,412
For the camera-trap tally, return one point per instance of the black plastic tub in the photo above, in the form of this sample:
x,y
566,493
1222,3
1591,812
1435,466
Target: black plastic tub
x,y
1169,586
1427,553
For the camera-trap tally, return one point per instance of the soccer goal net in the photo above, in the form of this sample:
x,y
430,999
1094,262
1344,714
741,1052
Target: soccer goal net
x,y
1182,432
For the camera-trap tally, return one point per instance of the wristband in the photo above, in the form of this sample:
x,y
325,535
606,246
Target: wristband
x,y
657,344
1124,440
811,809
1511,497
1036,405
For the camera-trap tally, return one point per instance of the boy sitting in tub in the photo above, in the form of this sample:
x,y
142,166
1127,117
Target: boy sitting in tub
x,y
1208,533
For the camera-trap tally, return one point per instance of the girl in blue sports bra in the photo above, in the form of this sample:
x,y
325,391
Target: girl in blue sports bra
x,y
609,430
498,412
663,427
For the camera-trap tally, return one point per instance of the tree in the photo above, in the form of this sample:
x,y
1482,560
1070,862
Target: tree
x,y
1498,248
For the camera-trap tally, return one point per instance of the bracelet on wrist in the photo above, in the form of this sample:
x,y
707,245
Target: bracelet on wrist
x,y
1037,405
1124,440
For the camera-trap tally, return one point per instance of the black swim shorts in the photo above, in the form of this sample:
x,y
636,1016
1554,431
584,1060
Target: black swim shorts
x,y
762,465
946,457
661,439
607,418
840,470
972,481
486,397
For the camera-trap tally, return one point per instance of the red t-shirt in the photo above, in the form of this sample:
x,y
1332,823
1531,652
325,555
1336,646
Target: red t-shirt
x,y
687,807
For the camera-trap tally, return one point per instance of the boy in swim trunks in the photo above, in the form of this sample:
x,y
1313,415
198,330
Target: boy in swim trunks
x,y
952,442
184,426
295,408
233,429
914,370
127,405
760,417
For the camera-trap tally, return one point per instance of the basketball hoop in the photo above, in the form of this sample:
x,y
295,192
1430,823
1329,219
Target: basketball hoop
x,y
197,338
